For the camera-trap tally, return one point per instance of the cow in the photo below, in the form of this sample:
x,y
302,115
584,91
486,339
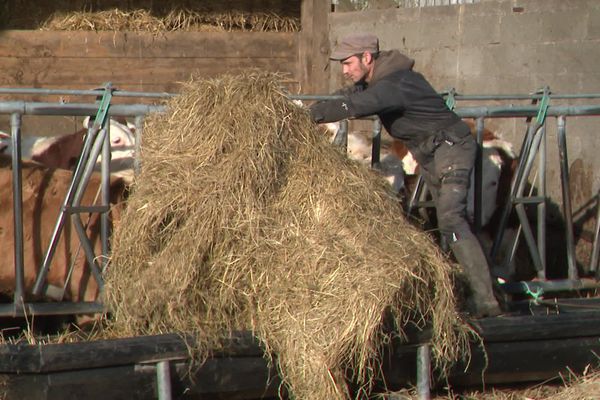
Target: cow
x,y
43,194
64,151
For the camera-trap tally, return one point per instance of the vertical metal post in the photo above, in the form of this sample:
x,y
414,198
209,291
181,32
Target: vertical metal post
x,y
105,200
541,207
566,194
17,186
376,143
423,372
139,129
478,177
163,380
341,137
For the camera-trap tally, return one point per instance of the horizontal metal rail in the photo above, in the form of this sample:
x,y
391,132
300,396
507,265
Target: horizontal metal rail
x,y
126,93
75,109
99,92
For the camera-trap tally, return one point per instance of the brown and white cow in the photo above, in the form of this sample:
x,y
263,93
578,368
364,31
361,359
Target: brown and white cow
x,y
43,193
64,151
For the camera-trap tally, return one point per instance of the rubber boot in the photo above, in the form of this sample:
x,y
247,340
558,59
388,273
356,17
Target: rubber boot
x,y
469,255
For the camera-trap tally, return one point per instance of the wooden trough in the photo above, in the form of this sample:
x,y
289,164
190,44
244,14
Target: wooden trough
x,y
519,348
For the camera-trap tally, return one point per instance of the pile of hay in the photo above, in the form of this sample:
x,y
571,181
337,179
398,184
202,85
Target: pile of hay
x,y
142,20
244,217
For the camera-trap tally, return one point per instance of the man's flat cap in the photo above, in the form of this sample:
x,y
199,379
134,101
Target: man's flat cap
x,y
356,43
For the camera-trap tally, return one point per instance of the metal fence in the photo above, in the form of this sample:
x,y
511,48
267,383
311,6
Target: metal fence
x,y
539,109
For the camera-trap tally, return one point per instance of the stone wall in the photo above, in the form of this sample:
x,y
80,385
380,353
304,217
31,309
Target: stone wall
x,y
503,47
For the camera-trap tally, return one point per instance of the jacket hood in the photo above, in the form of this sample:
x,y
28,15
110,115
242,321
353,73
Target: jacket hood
x,y
390,61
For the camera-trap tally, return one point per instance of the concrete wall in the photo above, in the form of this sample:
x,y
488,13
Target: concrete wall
x,y
503,47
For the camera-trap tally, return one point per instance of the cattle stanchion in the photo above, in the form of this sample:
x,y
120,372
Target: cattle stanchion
x,y
16,109
532,148
534,145
83,170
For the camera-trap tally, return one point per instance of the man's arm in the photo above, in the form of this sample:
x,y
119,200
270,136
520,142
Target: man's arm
x,y
376,99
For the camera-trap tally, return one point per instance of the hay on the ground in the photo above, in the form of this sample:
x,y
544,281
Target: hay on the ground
x,y
244,217
180,19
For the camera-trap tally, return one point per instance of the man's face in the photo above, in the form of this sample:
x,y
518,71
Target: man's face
x,y
354,68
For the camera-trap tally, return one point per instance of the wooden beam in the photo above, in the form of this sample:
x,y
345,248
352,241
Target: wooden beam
x,y
25,358
146,62
313,47
118,45
538,327
90,73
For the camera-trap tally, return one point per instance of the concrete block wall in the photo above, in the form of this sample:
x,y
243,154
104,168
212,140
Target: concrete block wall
x,y
503,47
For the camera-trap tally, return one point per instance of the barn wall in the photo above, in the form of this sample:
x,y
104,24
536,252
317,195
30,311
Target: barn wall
x,y
137,61
131,61
502,47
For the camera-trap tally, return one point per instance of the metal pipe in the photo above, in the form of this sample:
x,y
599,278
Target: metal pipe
x,y
17,188
132,110
316,97
541,207
415,198
126,93
423,372
75,109
139,129
341,137
98,92
566,194
558,285
525,97
478,176
525,111
376,143
163,380
105,196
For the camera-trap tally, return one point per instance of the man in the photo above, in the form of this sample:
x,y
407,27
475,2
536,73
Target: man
x,y
411,110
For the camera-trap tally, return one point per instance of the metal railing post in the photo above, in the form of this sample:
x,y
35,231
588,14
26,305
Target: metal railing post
x,y
566,196
17,188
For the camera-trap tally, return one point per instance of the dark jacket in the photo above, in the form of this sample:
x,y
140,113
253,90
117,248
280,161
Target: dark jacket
x,y
409,108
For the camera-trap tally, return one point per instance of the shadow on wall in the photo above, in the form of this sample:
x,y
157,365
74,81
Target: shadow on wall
x,y
30,14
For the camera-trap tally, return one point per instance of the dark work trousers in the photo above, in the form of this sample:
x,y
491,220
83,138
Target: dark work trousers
x,y
447,171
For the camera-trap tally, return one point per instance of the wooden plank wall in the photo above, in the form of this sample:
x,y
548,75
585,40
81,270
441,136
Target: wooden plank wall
x,y
157,62
313,48
138,61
